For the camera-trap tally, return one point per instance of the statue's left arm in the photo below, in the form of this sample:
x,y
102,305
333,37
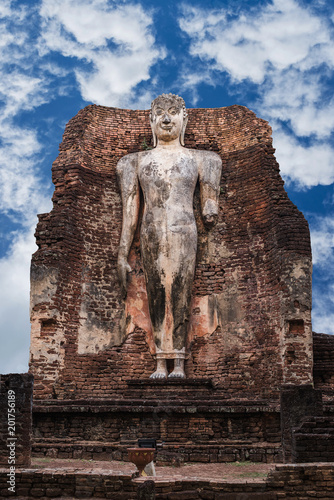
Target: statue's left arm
x,y
210,169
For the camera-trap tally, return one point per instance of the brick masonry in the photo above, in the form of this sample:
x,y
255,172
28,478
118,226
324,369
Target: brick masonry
x,y
250,319
15,419
323,346
313,440
290,482
187,430
297,402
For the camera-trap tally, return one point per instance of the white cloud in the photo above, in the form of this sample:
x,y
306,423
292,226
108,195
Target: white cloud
x,y
114,40
247,47
286,50
5,8
92,23
322,317
296,97
22,193
322,237
113,79
14,300
21,92
304,166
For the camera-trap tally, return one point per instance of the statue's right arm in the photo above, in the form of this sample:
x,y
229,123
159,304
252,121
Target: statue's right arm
x,y
128,181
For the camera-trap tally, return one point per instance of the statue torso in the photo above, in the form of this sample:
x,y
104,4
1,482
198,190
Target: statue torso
x,y
168,178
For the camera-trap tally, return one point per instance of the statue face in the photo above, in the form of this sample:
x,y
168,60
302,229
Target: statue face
x,y
167,120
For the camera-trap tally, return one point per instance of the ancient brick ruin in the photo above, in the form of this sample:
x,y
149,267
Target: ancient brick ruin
x,y
250,325
250,329
289,482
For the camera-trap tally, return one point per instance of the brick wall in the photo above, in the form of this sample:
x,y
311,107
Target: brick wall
x,y
296,403
196,430
313,440
250,317
323,371
15,419
290,482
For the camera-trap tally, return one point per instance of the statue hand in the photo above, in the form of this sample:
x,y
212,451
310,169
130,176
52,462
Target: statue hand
x,y
210,219
210,213
123,268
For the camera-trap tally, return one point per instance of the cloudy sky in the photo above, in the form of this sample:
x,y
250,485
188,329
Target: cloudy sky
x,y
56,56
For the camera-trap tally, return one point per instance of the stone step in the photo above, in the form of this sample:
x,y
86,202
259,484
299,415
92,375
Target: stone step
x,y
167,453
140,404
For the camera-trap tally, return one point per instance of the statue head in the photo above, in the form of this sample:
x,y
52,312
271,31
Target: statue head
x,y
168,115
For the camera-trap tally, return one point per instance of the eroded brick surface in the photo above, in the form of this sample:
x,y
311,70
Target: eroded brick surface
x,y
323,361
250,323
313,440
187,430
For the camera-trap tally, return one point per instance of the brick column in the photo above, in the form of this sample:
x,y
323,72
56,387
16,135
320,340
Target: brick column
x,y
296,402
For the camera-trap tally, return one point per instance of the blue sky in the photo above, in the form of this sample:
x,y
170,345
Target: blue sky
x,y
56,56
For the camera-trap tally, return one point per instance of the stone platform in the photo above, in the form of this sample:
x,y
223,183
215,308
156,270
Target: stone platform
x,y
79,479
191,421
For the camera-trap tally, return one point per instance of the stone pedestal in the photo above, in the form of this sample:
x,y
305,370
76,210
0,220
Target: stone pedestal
x,y
190,420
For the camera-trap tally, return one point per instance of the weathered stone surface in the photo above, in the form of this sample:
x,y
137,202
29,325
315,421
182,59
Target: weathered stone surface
x,y
167,176
250,323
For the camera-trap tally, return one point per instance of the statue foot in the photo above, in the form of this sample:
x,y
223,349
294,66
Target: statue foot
x,y
159,374
177,373
161,371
